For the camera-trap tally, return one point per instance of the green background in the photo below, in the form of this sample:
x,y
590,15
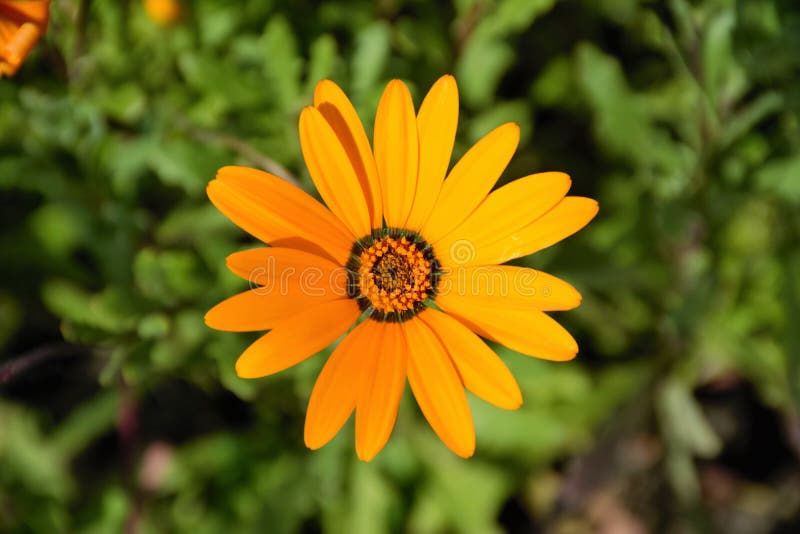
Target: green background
x,y
120,409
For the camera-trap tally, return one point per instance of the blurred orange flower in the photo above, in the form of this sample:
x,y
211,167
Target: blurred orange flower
x,y
21,25
412,255
163,12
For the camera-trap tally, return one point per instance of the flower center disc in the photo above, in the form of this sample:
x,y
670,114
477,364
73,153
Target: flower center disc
x,y
392,273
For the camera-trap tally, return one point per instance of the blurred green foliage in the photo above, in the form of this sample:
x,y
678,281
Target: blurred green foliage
x,y
680,117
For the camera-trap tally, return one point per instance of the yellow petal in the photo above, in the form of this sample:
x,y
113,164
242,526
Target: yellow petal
x,y
482,371
334,105
278,268
511,286
471,180
332,172
381,389
396,152
335,393
278,213
528,331
296,338
566,218
504,211
438,388
437,122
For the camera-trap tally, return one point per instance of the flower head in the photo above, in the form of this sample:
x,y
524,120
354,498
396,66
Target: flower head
x,y
405,262
163,12
21,25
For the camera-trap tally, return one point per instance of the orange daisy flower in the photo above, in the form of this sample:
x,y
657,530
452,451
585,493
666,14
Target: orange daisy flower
x,y
163,12
21,25
410,258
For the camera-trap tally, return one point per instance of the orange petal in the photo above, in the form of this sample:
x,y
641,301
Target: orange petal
x,y
298,337
566,218
334,105
335,392
396,152
481,370
21,25
381,389
471,180
261,308
511,286
438,388
528,331
283,267
277,212
333,172
437,122
35,11
506,210
17,48
7,30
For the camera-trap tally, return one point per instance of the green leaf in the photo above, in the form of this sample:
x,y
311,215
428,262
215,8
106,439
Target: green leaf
x,y
213,78
283,64
113,514
30,461
553,85
516,111
153,326
168,276
685,421
126,103
193,224
369,503
487,55
466,495
103,311
59,227
746,119
369,58
86,423
180,163
480,67
621,122
322,61
780,178
513,16
718,60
